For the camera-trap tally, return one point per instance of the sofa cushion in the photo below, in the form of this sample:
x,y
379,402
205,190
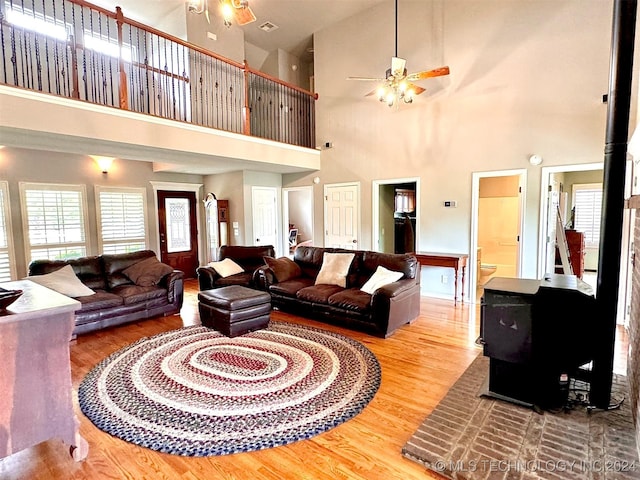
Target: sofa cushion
x,y
283,268
63,280
226,267
352,299
136,294
101,300
248,257
291,287
147,272
115,263
380,278
244,278
318,293
406,263
334,270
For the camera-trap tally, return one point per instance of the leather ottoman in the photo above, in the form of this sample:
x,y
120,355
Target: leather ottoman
x,y
234,310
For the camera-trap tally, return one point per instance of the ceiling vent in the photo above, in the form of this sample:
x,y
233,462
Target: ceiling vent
x,y
268,27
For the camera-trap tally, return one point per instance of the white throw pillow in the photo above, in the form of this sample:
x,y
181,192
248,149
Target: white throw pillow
x,y
226,267
334,270
63,281
380,278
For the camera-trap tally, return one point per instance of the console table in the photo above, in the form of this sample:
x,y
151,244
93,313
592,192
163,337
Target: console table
x,y
35,374
457,261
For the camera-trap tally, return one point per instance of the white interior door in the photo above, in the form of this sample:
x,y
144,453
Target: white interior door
x,y
265,215
342,215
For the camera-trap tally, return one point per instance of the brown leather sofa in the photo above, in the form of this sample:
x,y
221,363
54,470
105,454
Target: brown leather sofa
x,y
117,299
380,314
250,258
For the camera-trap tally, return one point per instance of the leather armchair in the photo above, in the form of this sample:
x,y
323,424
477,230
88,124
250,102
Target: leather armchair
x,y
250,258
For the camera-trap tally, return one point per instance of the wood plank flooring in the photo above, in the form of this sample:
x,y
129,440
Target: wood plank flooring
x,y
419,364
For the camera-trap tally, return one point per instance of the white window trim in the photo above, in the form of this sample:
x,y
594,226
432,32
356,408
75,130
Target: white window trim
x,y
142,191
24,186
4,186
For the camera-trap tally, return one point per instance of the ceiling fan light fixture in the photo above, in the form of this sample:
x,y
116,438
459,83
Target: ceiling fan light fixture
x,y
390,98
227,13
398,84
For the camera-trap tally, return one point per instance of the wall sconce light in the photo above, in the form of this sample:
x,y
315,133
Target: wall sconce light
x,y
103,162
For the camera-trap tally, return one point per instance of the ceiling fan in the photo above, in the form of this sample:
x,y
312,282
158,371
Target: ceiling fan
x,y
233,11
397,84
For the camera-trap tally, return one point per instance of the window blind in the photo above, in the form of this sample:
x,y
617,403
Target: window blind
x,y
122,219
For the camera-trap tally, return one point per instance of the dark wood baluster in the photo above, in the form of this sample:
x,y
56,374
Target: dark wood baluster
x,y
4,54
187,84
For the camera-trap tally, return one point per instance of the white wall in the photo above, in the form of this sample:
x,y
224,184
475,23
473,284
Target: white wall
x,y
526,77
229,41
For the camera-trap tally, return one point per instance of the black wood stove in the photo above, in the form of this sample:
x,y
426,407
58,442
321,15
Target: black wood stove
x,y
539,335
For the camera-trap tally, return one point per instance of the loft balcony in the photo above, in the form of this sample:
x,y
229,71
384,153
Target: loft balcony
x,y
76,77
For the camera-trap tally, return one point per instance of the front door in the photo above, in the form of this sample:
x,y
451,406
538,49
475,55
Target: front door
x,y
342,215
178,230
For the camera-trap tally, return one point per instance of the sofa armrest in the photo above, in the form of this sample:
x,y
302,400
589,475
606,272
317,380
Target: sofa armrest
x,y
395,288
207,277
396,304
174,283
263,278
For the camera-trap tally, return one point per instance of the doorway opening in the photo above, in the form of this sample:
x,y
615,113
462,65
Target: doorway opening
x,y
396,216
497,218
565,194
297,218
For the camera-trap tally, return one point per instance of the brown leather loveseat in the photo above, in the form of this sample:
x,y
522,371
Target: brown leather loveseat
x,y
379,313
250,258
117,299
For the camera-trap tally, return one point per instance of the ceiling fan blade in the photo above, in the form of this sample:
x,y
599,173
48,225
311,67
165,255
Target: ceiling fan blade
x,y
436,72
417,90
372,92
366,79
244,15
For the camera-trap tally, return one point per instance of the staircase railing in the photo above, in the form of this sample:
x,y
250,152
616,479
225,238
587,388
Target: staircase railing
x,y
74,49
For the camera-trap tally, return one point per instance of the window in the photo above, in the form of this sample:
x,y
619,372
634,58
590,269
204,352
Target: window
x,y
54,221
7,261
36,22
107,46
121,219
587,204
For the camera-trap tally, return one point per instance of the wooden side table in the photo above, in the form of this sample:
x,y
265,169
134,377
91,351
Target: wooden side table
x,y
35,374
457,261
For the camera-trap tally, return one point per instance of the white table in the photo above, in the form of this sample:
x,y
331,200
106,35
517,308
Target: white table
x,y
35,372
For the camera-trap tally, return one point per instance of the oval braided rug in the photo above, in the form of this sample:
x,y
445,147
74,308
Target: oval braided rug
x,y
195,392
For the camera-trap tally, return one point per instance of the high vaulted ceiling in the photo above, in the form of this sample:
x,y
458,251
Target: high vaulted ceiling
x,y
297,20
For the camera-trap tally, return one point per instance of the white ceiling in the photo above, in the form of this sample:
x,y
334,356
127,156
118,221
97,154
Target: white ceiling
x,y
297,19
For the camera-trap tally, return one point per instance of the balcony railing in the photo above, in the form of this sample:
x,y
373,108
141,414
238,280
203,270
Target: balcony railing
x,y
77,50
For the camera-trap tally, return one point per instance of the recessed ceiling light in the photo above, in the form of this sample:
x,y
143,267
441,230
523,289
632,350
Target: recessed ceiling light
x,y
268,26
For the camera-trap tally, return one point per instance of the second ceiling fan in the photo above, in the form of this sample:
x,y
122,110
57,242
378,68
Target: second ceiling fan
x,y
237,11
398,84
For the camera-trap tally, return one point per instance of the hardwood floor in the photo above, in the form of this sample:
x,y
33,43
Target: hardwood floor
x,y
419,364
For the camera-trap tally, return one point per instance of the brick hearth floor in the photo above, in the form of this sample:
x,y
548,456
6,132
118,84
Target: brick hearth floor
x,y
472,437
